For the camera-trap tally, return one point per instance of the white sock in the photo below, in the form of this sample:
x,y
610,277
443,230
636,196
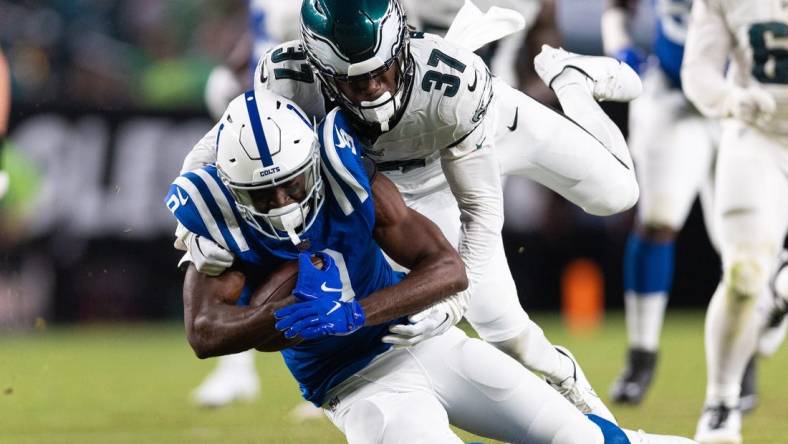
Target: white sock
x,y
536,353
733,323
644,315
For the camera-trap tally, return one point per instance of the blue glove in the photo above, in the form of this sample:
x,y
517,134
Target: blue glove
x,y
319,318
633,57
317,283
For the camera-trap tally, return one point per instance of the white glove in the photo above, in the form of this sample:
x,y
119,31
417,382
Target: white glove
x,y
428,323
752,105
208,256
222,87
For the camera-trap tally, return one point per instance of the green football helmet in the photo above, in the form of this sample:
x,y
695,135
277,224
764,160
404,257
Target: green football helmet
x,y
351,39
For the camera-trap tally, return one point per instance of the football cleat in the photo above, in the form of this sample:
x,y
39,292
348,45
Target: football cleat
x,y
748,399
609,78
634,382
577,390
233,380
719,424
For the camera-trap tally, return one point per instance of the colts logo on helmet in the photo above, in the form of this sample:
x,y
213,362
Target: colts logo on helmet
x,y
269,171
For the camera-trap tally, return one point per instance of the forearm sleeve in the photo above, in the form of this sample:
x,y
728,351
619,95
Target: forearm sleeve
x,y
475,180
705,56
203,153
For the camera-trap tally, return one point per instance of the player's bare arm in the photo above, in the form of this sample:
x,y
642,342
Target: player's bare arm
x,y
413,241
214,326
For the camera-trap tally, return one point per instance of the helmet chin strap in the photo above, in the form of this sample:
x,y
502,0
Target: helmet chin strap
x,y
287,219
380,110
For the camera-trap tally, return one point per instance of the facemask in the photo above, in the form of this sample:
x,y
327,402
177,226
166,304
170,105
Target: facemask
x,y
380,110
287,219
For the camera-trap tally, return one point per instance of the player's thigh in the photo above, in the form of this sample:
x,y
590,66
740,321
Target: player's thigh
x,y
399,418
673,156
494,309
490,394
750,202
389,401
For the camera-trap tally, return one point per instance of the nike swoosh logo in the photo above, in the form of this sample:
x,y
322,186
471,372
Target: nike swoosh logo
x,y
336,307
472,88
480,144
514,125
326,288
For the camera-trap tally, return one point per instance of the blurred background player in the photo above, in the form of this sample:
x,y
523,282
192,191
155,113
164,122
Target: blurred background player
x,y
735,67
673,147
270,23
5,109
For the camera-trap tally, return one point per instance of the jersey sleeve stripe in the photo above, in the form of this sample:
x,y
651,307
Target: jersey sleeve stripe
x,y
202,208
226,208
337,192
335,162
257,128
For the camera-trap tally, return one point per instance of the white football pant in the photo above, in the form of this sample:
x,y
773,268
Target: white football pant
x,y
412,395
751,214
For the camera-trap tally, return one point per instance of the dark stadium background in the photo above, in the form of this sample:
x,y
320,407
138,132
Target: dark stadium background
x,y
108,100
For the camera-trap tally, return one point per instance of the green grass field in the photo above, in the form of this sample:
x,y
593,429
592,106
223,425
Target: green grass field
x,y
129,384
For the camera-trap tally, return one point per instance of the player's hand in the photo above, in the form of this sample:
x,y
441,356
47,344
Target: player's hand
x,y
317,283
319,318
423,325
633,57
752,105
208,256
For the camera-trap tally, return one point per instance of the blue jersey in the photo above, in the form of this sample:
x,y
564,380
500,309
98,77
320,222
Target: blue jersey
x,y
342,229
671,32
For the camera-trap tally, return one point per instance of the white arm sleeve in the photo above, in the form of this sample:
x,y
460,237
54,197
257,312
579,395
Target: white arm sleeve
x,y
475,180
203,153
705,56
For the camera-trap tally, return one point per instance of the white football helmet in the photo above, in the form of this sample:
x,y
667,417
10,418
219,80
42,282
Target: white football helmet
x,y
263,142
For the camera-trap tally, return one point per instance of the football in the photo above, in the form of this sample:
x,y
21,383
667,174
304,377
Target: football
x,y
279,284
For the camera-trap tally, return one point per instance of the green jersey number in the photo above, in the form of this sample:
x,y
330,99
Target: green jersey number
x,y
769,43
436,80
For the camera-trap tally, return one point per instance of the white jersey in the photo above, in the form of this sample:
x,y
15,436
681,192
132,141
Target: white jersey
x,y
752,36
443,137
451,91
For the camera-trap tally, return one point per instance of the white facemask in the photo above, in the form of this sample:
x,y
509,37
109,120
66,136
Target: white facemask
x,y
380,110
287,219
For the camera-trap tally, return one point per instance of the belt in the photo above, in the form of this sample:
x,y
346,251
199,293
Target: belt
x,y
403,165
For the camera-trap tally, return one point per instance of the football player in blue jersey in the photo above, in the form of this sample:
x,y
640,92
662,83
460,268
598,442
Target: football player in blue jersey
x,y
673,147
280,192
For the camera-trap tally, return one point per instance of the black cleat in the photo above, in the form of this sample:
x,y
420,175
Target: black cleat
x,y
748,400
634,382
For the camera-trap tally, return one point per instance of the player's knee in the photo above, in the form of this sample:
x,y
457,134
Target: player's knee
x,y
746,276
587,433
656,232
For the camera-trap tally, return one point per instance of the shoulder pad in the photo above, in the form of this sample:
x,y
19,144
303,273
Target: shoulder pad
x,y
202,204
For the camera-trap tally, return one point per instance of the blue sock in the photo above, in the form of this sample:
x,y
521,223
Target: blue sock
x,y
648,266
612,433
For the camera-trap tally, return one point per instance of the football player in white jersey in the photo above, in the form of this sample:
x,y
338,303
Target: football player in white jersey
x,y
746,39
673,147
444,130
